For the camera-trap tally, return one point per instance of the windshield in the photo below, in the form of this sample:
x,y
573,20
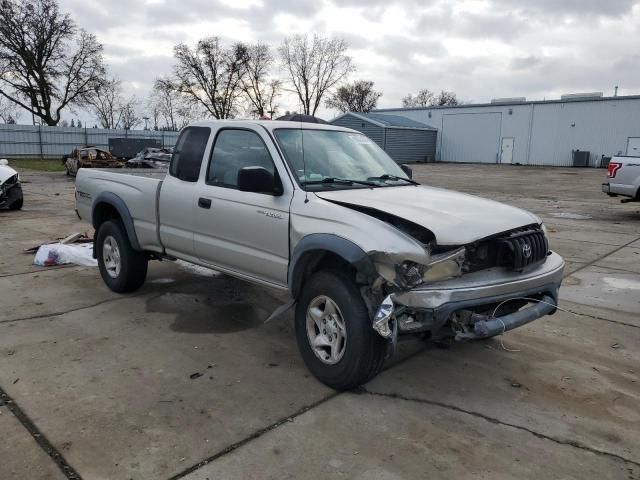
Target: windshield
x,y
330,159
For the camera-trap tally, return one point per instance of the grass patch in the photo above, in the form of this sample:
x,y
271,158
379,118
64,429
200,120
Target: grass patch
x,y
47,165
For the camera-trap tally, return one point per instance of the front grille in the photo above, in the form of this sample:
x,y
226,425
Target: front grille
x,y
516,249
521,249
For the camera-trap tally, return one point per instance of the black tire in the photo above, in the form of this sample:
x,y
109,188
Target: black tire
x,y
17,205
133,264
364,350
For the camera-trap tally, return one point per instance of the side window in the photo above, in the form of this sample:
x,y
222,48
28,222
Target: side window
x,y
234,150
188,153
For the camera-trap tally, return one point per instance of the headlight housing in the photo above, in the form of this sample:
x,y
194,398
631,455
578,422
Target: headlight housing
x,y
544,230
446,265
440,267
411,273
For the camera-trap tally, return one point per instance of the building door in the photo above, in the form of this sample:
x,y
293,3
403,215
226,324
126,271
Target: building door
x,y
471,137
633,146
506,153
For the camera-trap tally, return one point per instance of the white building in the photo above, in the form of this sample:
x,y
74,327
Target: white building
x,y
534,132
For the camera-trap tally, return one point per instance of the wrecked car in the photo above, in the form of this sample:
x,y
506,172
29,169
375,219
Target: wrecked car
x,y
151,157
11,196
366,254
89,157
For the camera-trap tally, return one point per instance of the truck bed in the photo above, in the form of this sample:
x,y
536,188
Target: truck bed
x,y
139,190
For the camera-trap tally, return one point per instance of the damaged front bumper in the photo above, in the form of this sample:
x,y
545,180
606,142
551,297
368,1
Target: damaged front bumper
x,y
460,302
9,194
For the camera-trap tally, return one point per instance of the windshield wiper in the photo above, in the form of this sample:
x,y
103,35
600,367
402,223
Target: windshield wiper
x,y
386,176
340,181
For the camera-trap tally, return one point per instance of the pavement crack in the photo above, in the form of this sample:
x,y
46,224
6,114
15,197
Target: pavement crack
x,y
71,310
604,319
253,436
278,423
570,443
57,267
38,436
600,258
159,292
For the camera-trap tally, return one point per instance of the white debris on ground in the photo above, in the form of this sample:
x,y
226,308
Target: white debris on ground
x,y
571,216
62,254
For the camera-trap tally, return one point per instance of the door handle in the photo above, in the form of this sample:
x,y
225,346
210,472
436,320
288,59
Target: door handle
x,y
204,203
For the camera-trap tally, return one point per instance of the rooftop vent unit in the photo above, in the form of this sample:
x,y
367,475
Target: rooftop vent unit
x,y
581,96
509,100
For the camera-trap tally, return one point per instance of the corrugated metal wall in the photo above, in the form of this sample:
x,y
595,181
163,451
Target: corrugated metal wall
x,y
482,142
404,145
374,132
544,133
407,145
30,141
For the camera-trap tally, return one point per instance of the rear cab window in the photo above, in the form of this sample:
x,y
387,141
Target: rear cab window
x,y
189,153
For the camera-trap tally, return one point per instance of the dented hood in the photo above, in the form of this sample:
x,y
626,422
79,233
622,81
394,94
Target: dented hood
x,y
454,218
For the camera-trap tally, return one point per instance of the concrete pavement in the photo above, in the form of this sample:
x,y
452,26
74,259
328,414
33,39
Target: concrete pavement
x,y
183,380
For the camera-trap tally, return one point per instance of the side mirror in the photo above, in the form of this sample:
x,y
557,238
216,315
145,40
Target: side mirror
x,y
257,180
407,169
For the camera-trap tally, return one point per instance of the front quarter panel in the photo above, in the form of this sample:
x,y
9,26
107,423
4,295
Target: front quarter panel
x,y
383,243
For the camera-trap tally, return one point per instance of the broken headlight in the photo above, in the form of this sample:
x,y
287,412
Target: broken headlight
x,y
411,273
440,267
445,266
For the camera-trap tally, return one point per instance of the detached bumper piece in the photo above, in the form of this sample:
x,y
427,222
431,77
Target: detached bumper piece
x,y
485,326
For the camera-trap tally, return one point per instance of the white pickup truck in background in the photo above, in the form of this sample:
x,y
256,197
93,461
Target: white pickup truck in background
x,y
623,178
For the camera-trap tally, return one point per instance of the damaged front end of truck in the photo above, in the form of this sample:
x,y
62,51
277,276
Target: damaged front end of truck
x,y
412,285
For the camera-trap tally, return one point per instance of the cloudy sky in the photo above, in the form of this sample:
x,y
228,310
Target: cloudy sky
x,y
480,49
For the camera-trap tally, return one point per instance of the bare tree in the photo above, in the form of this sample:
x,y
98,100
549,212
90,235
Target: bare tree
x,y
314,66
445,98
153,107
426,98
211,75
9,111
106,103
129,116
46,63
260,90
175,108
354,97
272,93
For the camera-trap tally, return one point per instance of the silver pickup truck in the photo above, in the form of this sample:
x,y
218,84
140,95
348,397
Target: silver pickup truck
x,y
366,253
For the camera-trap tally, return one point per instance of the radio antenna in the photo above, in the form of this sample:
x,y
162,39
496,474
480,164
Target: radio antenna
x,y
304,165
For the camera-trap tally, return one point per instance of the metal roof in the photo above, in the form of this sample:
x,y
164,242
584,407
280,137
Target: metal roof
x,y
515,103
388,121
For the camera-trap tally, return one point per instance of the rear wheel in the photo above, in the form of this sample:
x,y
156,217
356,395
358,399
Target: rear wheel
x,y
334,332
122,268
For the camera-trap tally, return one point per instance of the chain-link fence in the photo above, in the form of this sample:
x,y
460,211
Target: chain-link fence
x,y
35,141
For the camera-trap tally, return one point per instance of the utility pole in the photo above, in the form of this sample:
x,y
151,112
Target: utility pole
x,y
146,123
615,93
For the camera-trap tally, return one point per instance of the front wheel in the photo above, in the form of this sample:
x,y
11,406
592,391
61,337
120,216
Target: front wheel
x,y
334,332
17,205
122,268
